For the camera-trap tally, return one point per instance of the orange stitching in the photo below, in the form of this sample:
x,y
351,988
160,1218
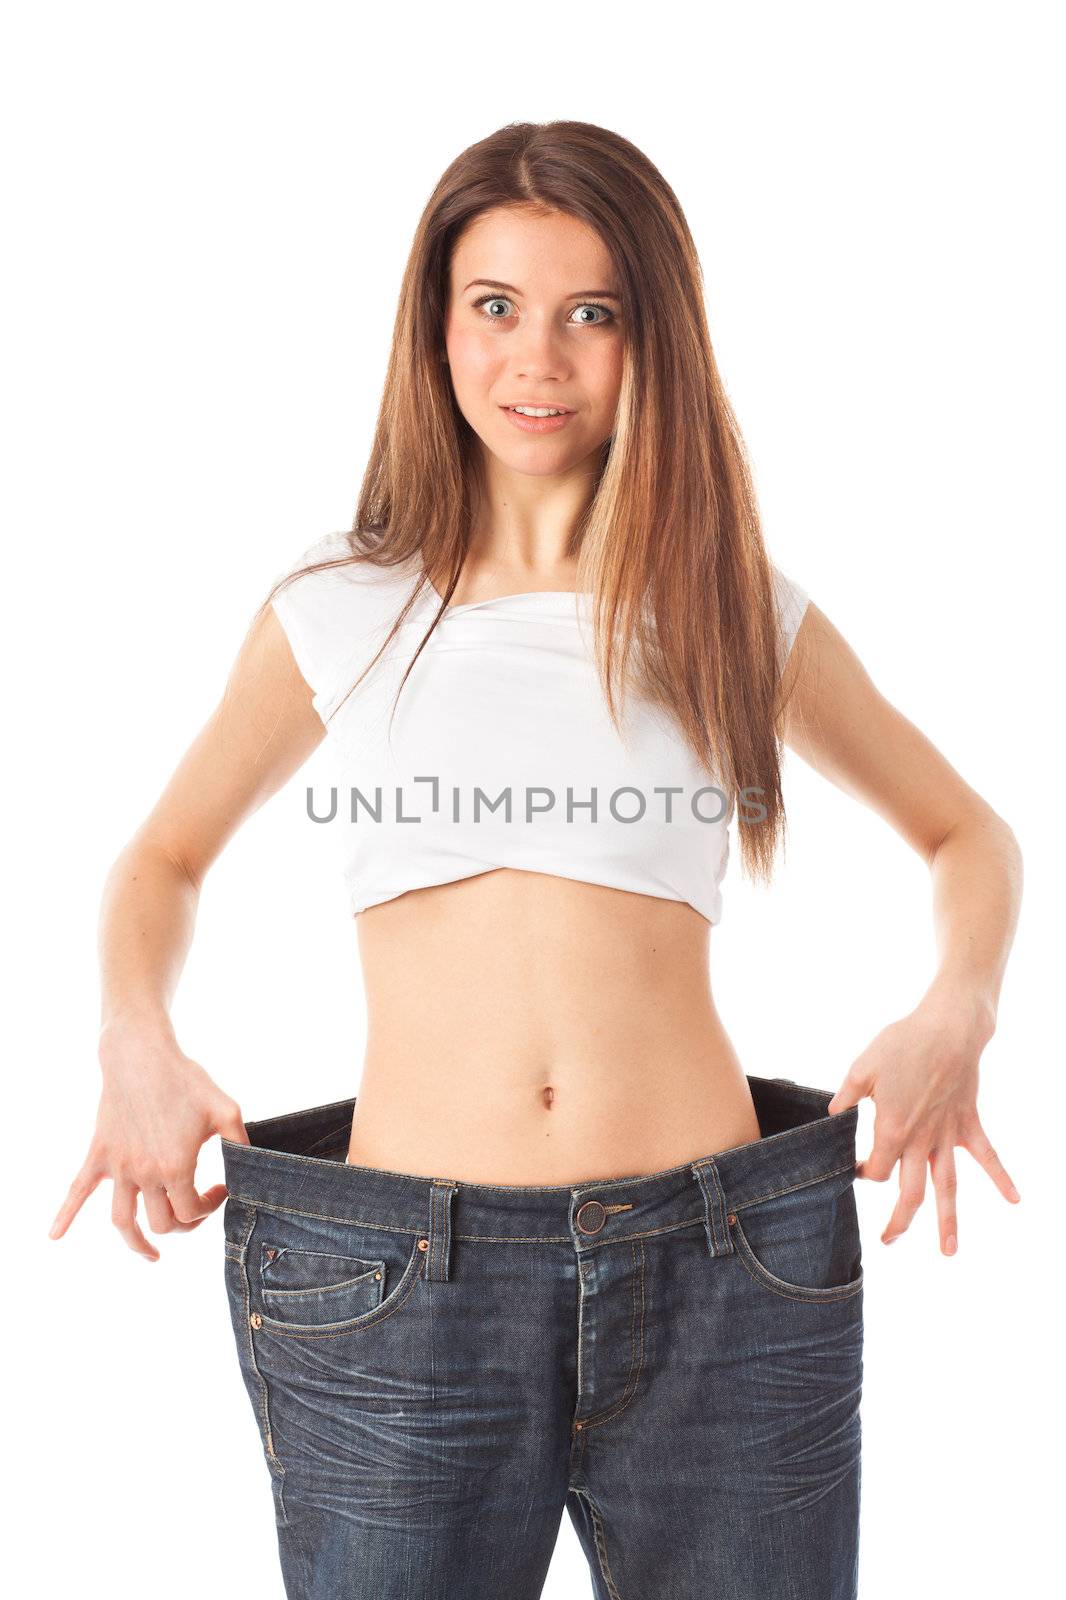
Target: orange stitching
x,y
476,1238
320,1216
264,1407
791,1291
282,1330
772,1194
600,1538
635,1370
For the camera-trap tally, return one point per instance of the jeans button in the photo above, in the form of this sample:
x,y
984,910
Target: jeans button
x,y
591,1216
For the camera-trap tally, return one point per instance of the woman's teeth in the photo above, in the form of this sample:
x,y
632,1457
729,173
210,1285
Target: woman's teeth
x,y
531,411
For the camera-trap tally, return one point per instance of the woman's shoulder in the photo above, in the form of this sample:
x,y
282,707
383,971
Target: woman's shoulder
x,y
332,608
342,560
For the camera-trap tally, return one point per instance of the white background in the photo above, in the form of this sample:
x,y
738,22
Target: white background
x,y
208,211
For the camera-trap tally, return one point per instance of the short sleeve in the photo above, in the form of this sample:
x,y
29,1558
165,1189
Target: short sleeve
x,y
318,617
792,603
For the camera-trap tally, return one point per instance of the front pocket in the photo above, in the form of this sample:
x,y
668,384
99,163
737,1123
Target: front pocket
x,y
311,1287
804,1244
321,1277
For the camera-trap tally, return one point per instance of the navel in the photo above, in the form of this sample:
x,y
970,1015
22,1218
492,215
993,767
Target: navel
x,y
548,1095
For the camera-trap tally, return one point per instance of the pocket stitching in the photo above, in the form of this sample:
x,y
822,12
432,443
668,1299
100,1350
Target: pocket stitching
x,y
336,1330
331,1288
776,1285
370,1267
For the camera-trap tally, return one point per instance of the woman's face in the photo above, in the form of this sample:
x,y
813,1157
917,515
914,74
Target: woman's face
x,y
543,326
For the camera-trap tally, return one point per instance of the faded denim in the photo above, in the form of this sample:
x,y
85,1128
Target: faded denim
x,y
438,1368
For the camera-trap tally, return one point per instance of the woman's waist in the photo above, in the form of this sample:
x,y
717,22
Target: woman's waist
x,y
522,1023
489,1109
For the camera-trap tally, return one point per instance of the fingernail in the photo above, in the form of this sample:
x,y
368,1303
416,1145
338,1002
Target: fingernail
x,y
951,1244
889,1238
1014,1193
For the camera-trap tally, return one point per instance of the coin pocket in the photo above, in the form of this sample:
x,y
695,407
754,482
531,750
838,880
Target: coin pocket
x,y
312,1287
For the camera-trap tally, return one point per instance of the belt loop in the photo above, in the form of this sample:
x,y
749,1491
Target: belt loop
x,y
439,1254
719,1237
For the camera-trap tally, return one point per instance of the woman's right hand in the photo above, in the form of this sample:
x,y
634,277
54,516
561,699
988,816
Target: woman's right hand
x,y
157,1108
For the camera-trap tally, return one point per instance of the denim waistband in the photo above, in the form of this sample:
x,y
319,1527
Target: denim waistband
x,y
297,1162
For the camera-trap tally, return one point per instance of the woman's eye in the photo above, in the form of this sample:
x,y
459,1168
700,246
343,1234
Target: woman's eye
x,y
592,306
492,302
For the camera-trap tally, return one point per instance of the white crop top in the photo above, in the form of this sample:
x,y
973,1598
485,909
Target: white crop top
x,y
503,753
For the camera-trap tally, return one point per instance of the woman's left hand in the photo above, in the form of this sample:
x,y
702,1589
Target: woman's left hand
x,y
921,1073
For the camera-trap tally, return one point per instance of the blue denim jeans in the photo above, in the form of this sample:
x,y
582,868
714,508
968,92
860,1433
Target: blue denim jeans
x,y
438,1368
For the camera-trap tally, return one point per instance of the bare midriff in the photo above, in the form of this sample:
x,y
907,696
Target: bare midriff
x,y
529,1029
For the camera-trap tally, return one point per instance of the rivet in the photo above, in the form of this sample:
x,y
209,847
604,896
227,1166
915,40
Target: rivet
x,y
732,1217
256,1320
423,1244
378,1276
577,1427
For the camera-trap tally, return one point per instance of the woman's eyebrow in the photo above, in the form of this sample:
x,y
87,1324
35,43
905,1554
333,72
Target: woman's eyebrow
x,y
578,294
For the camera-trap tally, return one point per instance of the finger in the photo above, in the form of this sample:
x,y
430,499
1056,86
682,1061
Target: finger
x,y
161,1218
124,1216
942,1161
855,1087
86,1181
190,1207
888,1147
912,1169
979,1146
231,1126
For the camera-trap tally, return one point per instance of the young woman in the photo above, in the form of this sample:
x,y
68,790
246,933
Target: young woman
x,y
562,1251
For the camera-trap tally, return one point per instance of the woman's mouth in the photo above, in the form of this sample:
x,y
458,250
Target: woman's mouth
x,y
536,423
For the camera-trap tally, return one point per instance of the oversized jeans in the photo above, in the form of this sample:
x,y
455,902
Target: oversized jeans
x,y
439,1368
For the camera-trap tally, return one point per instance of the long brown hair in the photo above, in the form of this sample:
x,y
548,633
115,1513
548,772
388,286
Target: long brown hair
x,y
670,544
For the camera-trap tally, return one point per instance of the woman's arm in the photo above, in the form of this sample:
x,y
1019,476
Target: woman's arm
x,y
922,1071
157,1106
